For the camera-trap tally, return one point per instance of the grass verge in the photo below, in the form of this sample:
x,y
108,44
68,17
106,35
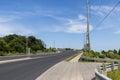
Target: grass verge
x,y
70,58
114,75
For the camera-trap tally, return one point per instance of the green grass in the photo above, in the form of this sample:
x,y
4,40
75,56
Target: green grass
x,y
114,75
70,58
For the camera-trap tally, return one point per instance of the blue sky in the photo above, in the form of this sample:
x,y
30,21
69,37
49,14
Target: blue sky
x,y
62,22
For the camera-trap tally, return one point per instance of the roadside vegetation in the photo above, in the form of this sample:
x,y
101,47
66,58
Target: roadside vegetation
x,y
16,44
112,54
90,57
114,75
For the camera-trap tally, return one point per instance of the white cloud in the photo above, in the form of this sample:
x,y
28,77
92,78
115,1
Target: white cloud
x,y
11,29
117,32
8,18
76,27
68,25
81,17
103,21
73,25
8,27
103,10
100,10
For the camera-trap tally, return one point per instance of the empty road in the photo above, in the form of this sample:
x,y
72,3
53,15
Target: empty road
x,y
31,69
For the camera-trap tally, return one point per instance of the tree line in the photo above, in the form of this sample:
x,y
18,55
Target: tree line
x,y
17,44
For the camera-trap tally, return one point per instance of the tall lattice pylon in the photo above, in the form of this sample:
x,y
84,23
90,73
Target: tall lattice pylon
x,y
87,44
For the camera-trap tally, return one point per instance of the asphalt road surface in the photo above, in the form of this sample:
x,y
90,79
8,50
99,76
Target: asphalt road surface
x,y
31,69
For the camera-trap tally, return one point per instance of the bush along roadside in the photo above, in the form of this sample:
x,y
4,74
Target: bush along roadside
x,y
110,54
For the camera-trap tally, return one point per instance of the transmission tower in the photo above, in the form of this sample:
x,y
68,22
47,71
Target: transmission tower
x,y
87,44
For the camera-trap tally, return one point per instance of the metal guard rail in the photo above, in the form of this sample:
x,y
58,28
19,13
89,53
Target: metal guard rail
x,y
100,76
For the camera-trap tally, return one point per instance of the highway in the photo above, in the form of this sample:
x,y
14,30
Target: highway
x,y
31,69
2,58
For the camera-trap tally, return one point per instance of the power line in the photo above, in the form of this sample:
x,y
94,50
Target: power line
x,y
101,20
98,25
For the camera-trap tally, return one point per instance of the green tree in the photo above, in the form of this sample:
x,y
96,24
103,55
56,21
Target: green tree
x,y
2,45
102,56
115,51
111,55
17,44
119,52
103,52
35,44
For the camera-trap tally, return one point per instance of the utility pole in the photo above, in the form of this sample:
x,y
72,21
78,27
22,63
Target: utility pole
x,y
26,45
54,44
27,48
87,45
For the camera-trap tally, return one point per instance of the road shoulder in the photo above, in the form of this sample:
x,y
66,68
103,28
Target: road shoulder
x,y
72,70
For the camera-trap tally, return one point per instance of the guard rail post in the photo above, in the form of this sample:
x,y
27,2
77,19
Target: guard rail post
x,y
112,65
104,69
119,65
